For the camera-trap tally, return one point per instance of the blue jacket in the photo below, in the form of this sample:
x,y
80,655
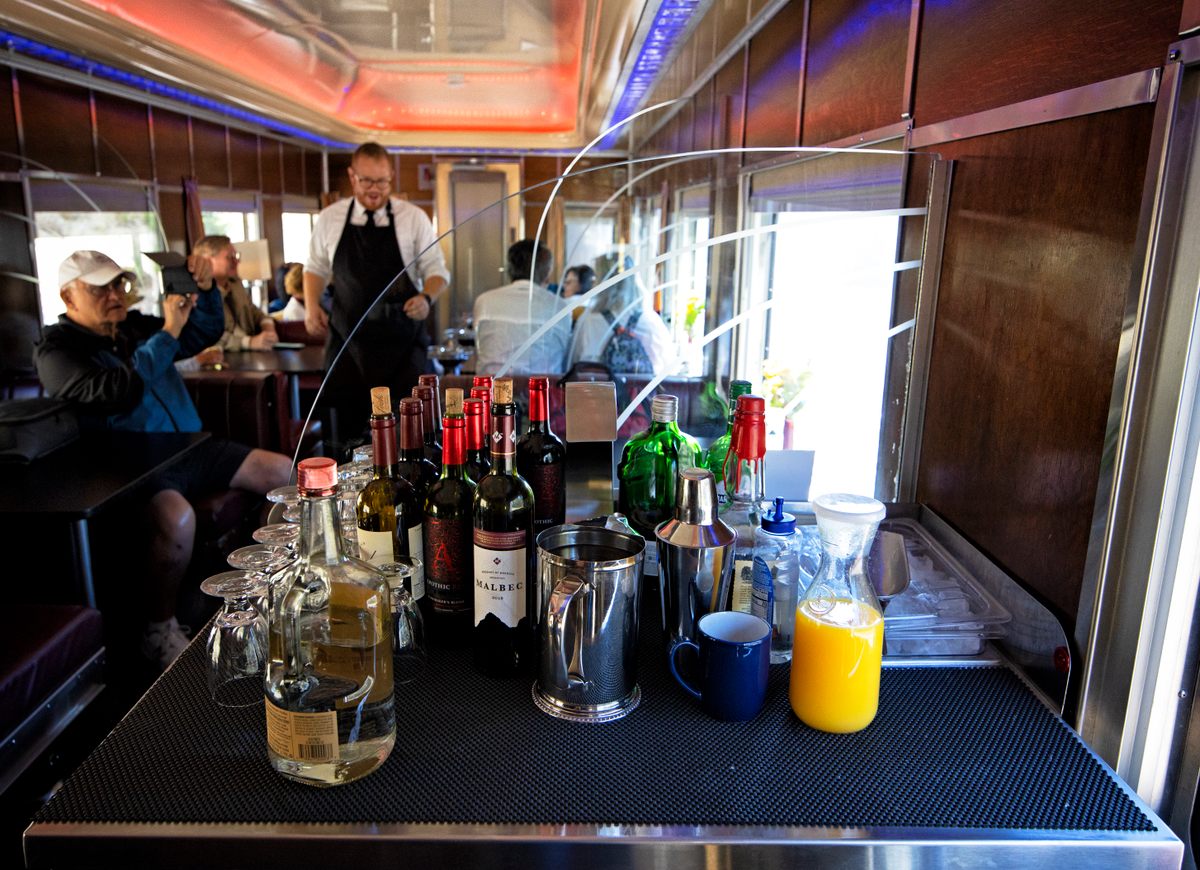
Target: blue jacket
x,y
128,382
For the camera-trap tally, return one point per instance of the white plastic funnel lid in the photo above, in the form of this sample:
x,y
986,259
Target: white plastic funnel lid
x,y
842,507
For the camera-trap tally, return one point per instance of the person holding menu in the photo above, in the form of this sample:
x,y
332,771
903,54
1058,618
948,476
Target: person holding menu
x,y
359,247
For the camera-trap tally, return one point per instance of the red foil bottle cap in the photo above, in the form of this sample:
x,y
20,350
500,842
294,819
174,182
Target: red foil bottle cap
x,y
316,476
482,381
749,439
454,443
539,398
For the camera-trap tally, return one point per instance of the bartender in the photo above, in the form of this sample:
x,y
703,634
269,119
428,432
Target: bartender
x,y
359,247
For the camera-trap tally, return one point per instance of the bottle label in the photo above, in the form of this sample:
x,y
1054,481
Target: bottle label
x,y
447,568
743,585
311,737
416,549
375,547
549,496
500,576
762,594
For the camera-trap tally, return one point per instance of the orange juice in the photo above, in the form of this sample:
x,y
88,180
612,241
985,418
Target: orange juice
x,y
836,658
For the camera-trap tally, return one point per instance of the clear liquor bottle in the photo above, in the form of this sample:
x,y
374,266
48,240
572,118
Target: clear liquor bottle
x,y
742,511
714,459
542,460
388,513
329,702
502,640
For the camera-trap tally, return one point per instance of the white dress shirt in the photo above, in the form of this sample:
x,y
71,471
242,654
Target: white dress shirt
x,y
593,332
414,232
506,317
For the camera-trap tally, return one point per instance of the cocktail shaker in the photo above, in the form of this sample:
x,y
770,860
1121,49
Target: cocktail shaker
x,y
695,551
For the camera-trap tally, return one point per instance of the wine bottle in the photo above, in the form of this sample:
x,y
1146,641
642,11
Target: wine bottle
x,y
542,460
714,459
481,388
328,688
433,447
389,516
479,455
649,466
746,484
448,540
432,382
502,641
412,464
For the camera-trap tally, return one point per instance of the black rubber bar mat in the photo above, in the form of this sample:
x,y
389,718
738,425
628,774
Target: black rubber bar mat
x,y
951,747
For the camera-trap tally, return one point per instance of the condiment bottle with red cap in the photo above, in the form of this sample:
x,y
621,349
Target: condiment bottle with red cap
x,y
745,483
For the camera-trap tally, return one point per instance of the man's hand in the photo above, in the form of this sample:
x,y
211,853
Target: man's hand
x,y
176,310
268,325
201,269
316,321
417,307
262,341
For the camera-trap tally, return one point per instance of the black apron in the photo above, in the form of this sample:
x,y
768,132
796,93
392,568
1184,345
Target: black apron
x,y
389,347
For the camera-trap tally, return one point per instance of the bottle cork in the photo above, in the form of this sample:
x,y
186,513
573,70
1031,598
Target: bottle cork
x,y
454,402
381,401
502,391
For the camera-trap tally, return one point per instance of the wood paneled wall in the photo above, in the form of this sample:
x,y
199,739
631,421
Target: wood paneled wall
x,y
1038,247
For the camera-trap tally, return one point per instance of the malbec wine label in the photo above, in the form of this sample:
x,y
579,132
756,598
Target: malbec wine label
x,y
416,549
500,576
549,496
447,572
375,547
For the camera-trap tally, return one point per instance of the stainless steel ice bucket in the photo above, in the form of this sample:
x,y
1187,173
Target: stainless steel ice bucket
x,y
588,588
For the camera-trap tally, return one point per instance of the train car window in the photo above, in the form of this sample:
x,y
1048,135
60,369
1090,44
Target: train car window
x,y
822,260
118,220
297,230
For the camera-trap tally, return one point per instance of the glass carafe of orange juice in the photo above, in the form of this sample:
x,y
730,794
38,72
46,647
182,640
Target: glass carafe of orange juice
x,y
837,650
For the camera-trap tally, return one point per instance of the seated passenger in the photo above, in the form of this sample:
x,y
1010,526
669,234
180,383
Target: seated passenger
x,y
622,330
506,317
117,367
246,328
577,281
293,285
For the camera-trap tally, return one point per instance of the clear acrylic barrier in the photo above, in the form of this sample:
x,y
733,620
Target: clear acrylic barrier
x,y
812,297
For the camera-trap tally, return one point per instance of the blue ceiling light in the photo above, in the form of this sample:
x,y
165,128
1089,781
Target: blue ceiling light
x,y
32,48
670,22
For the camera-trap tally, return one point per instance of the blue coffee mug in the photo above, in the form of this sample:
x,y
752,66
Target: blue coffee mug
x,y
735,655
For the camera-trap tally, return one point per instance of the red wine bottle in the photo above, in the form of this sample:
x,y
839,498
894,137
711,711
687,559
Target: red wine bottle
x,y
481,388
412,464
502,640
479,455
448,540
432,382
433,447
542,460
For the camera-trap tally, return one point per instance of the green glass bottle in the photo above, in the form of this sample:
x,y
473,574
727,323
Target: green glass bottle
x,y
649,467
714,460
